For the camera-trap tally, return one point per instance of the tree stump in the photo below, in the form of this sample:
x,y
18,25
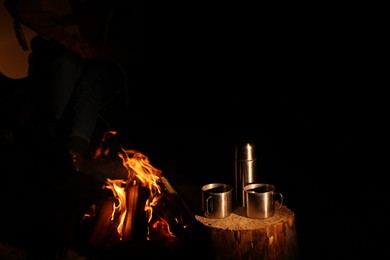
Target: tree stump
x,y
240,237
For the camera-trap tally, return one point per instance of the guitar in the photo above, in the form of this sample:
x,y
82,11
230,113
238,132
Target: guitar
x,y
15,37
13,58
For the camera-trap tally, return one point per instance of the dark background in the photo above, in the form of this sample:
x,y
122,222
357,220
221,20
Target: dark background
x,y
284,80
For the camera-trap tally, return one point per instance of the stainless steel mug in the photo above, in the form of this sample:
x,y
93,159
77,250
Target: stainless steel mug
x,y
260,200
245,170
217,200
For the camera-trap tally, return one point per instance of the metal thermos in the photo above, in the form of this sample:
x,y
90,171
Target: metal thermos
x,y
245,170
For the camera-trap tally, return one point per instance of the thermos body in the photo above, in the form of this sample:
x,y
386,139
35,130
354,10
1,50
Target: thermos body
x,y
245,170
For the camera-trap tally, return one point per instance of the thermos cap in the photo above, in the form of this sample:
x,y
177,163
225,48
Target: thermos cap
x,y
246,152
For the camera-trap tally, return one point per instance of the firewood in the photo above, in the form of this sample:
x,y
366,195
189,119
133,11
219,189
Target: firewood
x,y
131,206
104,228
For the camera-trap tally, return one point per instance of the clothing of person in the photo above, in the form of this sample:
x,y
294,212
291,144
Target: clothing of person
x,y
96,39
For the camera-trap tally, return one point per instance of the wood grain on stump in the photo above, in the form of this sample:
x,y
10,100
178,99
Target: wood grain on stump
x,y
240,237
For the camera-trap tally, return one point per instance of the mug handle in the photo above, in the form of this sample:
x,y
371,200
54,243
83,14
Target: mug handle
x,y
209,205
281,197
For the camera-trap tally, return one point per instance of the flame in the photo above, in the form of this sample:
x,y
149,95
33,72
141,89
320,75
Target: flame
x,y
116,186
141,173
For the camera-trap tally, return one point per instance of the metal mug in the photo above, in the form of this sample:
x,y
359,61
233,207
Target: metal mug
x,y
217,200
260,200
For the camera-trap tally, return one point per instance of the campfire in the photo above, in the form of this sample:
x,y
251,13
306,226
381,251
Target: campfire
x,y
141,207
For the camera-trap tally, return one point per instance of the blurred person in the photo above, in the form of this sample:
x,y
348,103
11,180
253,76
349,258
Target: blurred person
x,y
90,47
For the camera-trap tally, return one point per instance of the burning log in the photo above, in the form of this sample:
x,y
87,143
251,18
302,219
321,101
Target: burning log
x,y
143,207
178,208
168,226
135,223
175,219
104,228
239,237
109,230
128,225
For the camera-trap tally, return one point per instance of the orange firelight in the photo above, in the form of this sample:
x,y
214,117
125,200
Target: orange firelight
x,y
142,176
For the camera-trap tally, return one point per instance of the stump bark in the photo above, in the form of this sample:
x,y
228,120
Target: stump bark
x,y
240,237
